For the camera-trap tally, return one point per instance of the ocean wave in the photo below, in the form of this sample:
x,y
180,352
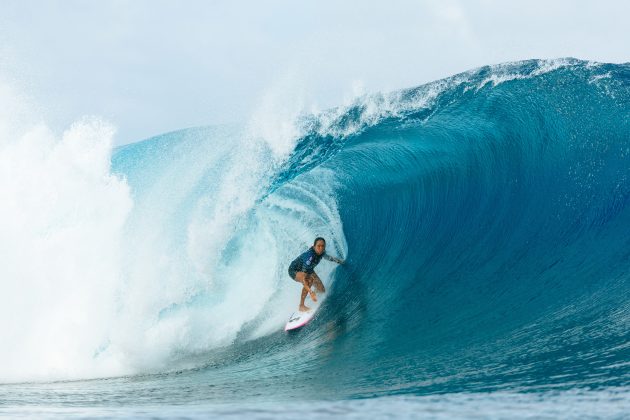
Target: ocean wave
x,y
484,220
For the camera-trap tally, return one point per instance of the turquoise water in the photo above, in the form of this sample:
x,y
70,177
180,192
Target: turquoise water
x,y
484,219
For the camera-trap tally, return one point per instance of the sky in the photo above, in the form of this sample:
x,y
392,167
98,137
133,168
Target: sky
x,y
154,66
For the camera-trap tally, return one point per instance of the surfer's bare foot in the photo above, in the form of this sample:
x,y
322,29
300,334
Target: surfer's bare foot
x,y
304,308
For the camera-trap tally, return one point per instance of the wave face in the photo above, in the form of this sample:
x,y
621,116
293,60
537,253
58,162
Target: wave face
x,y
484,219
487,221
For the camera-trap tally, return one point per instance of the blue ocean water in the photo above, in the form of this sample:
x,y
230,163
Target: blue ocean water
x,y
485,221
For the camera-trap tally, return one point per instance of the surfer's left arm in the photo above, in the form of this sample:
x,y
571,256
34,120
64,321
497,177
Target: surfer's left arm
x,y
333,259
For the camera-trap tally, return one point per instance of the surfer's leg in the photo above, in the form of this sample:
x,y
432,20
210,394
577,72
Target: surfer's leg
x,y
302,278
318,283
303,307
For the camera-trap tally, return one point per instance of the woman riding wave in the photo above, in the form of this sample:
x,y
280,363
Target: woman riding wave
x,y
302,270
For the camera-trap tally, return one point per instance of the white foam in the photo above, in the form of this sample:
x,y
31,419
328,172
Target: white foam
x,y
95,283
237,250
61,219
505,72
373,108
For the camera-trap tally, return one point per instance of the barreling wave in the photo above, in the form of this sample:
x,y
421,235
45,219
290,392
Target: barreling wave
x,y
484,219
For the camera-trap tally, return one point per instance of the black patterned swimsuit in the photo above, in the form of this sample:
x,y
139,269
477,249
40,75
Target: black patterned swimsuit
x,y
307,262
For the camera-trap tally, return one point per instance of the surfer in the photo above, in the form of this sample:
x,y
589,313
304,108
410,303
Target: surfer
x,y
302,270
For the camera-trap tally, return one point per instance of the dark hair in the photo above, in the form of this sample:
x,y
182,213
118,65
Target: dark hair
x,y
319,238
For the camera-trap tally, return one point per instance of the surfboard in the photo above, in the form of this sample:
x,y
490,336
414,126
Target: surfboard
x,y
299,319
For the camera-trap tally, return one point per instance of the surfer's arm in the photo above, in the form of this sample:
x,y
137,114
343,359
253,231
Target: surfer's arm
x,y
333,259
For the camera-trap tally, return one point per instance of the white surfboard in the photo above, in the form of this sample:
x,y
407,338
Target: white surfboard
x,y
299,319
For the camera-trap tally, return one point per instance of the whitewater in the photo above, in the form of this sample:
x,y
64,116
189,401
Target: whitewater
x,y
484,219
